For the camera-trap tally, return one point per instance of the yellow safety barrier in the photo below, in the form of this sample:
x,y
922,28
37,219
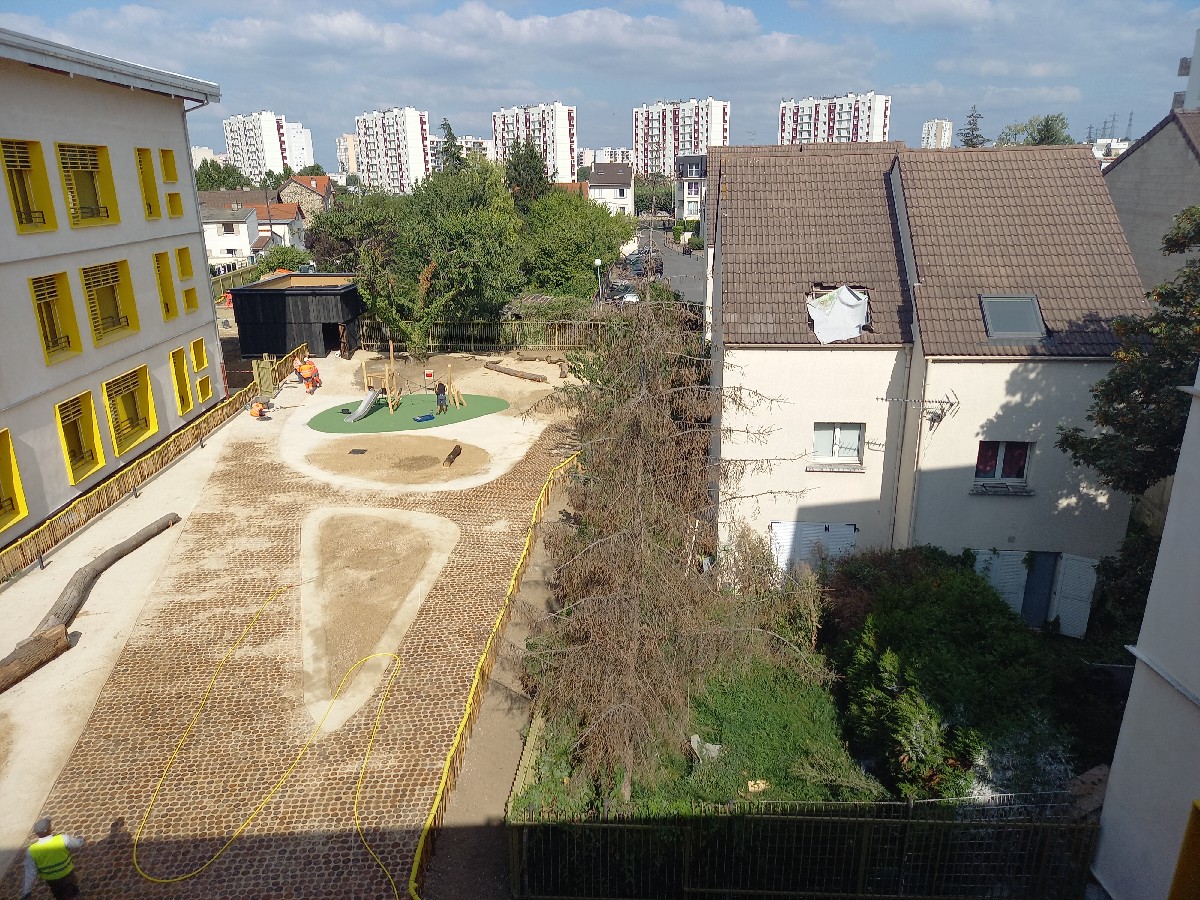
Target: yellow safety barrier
x,y
482,671
25,550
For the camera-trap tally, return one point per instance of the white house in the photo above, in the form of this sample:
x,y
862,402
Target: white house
x,y
109,340
1151,800
229,235
691,183
611,184
923,322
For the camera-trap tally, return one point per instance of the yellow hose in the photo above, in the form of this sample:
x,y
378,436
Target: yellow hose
x,y
290,769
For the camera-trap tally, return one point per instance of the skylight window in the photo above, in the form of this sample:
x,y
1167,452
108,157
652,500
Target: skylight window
x,y
1016,316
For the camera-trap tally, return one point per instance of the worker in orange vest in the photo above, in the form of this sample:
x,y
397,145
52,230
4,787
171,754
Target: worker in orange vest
x,y
50,857
312,378
257,410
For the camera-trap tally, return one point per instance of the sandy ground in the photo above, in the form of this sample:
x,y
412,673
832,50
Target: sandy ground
x,y
398,458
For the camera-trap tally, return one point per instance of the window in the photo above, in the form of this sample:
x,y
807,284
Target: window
x,y
131,416
183,385
693,208
28,186
204,389
55,316
166,158
1000,467
183,259
166,286
174,205
1012,317
837,445
110,302
80,437
227,228
145,167
693,189
12,498
199,355
191,303
88,184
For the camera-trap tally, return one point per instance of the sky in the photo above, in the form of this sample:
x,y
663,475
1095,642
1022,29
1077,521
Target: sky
x,y
323,63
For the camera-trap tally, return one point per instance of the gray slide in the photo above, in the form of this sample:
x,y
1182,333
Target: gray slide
x,y
365,407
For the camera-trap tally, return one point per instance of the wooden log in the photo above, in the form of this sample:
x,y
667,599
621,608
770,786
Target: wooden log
x,y
31,654
564,369
452,456
73,596
516,373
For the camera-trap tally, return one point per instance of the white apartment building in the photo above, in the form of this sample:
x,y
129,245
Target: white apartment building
x,y
469,144
393,148
347,154
835,120
109,341
200,154
262,142
613,155
937,134
552,128
667,129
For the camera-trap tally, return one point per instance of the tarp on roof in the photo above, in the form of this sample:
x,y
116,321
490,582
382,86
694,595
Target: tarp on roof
x,y
838,315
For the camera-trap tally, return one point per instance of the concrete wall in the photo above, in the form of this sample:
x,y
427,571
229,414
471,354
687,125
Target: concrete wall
x,y
45,107
1149,189
805,386
1008,400
1156,769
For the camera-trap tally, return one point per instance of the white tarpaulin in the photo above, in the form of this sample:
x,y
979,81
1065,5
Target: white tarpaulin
x,y
838,315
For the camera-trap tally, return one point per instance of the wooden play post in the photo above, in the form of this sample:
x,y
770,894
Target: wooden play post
x,y
453,394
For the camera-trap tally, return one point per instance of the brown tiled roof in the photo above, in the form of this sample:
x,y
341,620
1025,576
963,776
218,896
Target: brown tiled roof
x,y
318,184
796,216
1188,122
1017,220
227,199
611,175
280,212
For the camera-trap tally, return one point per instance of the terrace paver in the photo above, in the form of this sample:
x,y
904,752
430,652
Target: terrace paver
x,y
239,546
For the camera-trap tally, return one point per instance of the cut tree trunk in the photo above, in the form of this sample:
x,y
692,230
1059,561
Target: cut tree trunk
x,y
516,373
31,654
452,456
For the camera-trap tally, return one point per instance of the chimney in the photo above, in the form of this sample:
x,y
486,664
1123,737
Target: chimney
x,y
313,183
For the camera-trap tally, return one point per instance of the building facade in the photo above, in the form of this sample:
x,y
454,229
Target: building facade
x,y
109,341
468,144
691,183
263,142
937,134
347,154
665,130
393,148
853,118
611,185
552,128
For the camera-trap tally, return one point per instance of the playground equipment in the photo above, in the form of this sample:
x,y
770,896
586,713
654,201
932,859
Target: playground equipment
x,y
384,382
453,394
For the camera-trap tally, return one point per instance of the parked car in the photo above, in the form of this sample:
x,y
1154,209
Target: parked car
x,y
637,266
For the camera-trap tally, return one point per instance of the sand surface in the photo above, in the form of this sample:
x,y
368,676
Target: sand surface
x,y
397,458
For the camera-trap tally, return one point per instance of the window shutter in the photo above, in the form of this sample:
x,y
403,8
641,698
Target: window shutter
x,y
1071,601
1005,571
16,155
794,543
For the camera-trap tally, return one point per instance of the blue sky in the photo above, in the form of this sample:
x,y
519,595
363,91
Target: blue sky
x,y
323,63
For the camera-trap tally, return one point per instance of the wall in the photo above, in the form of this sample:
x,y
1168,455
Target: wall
x,y
1018,401
816,384
1149,189
1156,769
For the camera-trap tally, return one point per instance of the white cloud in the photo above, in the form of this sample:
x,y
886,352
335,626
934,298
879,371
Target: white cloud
x,y
1004,68
919,12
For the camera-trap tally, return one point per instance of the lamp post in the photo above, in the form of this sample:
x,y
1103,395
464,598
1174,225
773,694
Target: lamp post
x,y
599,286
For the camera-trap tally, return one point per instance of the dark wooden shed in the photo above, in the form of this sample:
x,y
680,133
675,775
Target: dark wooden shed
x,y
281,313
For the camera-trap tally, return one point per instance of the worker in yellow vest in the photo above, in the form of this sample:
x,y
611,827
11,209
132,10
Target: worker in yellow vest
x,y
50,857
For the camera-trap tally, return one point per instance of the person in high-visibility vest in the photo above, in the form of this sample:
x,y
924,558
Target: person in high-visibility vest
x,y
50,857
312,378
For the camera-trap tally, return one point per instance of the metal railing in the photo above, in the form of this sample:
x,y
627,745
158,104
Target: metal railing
x,y
1017,847
31,217
479,336
108,324
91,212
230,280
28,548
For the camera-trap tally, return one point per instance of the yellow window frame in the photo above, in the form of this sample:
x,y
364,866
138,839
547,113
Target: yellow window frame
x,y
191,300
111,305
28,186
183,261
166,286
131,414
54,311
204,389
199,355
145,168
79,436
13,507
174,205
183,385
166,158
88,185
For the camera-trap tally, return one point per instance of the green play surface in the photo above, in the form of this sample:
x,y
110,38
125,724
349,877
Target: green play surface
x,y
333,421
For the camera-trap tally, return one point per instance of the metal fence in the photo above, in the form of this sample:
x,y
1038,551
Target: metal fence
x,y
479,336
230,280
1016,847
28,548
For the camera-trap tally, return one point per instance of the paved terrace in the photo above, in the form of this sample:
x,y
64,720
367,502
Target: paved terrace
x,y
239,545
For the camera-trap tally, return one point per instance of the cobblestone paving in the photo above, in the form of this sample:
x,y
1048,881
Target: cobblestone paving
x,y
239,546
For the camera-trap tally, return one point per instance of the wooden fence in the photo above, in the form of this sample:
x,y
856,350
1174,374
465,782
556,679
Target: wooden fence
x,y
28,548
480,336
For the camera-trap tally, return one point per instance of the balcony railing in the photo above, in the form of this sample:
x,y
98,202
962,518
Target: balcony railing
x,y
7,504
53,345
91,212
31,217
126,427
109,324
81,459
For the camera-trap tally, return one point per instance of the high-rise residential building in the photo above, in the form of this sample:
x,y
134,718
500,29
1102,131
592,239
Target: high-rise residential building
x,y
667,129
835,120
613,155
551,126
263,142
393,148
109,341
937,134
468,144
200,154
347,154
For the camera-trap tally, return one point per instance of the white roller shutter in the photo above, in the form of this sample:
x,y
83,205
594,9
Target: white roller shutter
x,y
794,543
1005,571
1071,601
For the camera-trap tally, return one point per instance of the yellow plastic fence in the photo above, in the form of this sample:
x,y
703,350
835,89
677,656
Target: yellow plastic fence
x,y
483,670
27,548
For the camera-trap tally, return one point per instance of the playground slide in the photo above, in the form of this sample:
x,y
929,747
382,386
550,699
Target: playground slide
x,y
365,407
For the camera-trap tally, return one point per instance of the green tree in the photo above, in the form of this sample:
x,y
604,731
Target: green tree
x,y
214,176
450,154
314,169
525,175
970,134
278,257
583,173
564,234
336,236
653,194
1138,404
273,180
1038,131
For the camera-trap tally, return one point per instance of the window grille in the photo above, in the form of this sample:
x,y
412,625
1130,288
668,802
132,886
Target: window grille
x,y
18,165
124,408
45,299
71,418
81,168
102,285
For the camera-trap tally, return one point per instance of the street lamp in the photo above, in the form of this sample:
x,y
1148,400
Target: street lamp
x,y
599,286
